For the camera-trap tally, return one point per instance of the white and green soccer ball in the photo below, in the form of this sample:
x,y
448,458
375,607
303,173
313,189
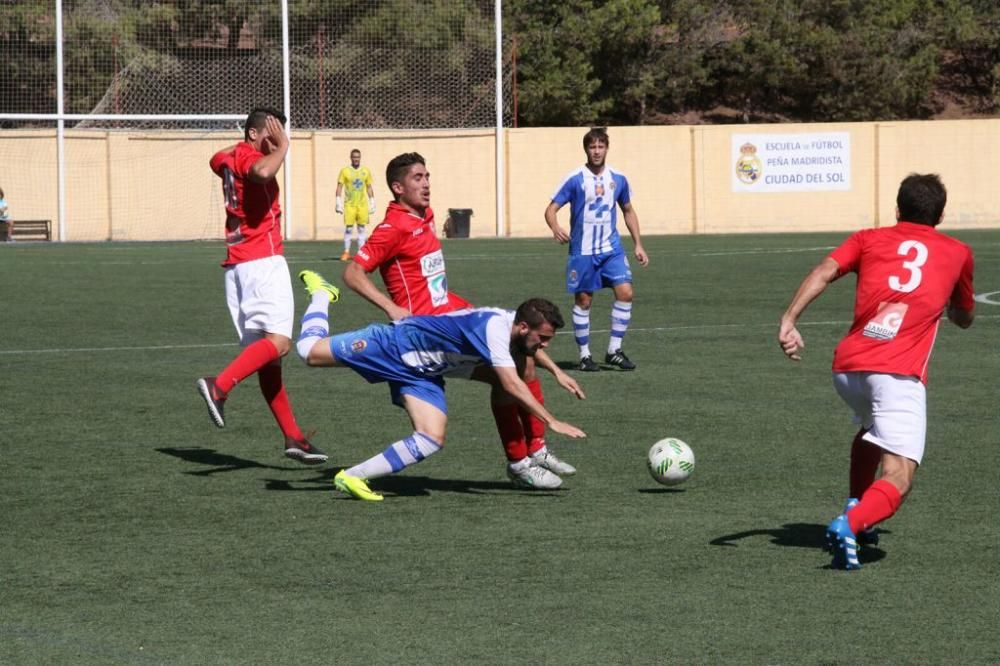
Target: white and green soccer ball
x,y
670,461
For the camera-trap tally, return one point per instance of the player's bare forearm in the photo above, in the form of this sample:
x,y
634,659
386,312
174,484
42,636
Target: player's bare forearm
x,y
961,318
811,287
632,224
515,387
814,284
357,280
565,381
266,168
552,220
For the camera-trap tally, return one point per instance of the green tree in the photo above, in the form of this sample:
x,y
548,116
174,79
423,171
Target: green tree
x,y
831,60
27,59
556,79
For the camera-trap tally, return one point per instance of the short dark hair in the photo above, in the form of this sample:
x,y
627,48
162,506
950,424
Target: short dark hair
x,y
257,118
355,150
921,199
398,166
536,311
596,134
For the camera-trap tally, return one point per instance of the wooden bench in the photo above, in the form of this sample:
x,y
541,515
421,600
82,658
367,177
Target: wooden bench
x,y
32,229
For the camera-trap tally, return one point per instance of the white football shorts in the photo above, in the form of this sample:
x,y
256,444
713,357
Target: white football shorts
x,y
260,298
892,407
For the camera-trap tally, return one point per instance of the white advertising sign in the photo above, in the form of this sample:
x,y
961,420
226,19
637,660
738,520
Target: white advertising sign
x,y
791,162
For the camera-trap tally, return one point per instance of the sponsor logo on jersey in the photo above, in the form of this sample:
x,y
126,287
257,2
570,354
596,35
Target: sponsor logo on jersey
x,y
432,264
363,254
438,286
886,324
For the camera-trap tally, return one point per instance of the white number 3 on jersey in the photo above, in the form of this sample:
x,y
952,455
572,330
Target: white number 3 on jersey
x,y
919,258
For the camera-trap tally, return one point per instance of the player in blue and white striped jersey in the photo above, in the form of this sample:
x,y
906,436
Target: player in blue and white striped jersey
x,y
415,354
597,260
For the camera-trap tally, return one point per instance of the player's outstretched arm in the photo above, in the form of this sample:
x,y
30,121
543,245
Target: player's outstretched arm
x,y
516,387
553,221
567,382
809,290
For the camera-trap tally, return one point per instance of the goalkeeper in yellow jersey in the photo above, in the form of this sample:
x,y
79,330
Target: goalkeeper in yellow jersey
x,y
356,200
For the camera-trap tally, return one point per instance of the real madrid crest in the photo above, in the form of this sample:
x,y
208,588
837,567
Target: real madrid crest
x,y
748,166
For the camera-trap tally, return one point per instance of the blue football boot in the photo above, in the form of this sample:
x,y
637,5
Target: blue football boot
x,y
840,541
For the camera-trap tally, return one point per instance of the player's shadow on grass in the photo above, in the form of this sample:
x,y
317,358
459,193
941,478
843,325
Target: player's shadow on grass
x,y
217,462
798,535
403,485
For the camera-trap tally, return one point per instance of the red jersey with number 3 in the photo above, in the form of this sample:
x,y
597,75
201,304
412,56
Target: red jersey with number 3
x,y
907,275
406,251
253,210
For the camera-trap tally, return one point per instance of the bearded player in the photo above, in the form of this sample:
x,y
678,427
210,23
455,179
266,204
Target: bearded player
x,y
405,249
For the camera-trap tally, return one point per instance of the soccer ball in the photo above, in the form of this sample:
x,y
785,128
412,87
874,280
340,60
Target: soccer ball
x,y
670,461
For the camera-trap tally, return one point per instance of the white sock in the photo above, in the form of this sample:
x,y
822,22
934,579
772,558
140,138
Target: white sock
x,y
397,456
540,453
347,239
621,315
519,466
581,329
315,323
361,235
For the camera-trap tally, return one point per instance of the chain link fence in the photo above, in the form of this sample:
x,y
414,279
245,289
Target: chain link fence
x,y
400,64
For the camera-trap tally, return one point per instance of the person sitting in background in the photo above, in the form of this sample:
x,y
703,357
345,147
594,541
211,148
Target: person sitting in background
x,y
6,224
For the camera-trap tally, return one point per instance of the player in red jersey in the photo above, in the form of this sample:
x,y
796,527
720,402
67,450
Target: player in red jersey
x,y
908,275
406,251
258,284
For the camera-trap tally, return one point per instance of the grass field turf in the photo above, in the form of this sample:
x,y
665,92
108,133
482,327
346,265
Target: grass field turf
x,y
134,531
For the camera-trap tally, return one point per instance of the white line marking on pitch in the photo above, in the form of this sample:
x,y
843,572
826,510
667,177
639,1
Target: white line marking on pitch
x,y
654,329
114,349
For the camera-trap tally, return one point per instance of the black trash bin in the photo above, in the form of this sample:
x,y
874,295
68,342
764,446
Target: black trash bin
x,y
457,224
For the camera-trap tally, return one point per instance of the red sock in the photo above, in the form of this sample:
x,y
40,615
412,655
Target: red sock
x,y
510,430
273,390
865,459
879,502
250,360
534,427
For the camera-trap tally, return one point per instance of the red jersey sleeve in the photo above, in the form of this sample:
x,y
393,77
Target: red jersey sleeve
x,y
848,254
963,297
218,161
245,159
382,245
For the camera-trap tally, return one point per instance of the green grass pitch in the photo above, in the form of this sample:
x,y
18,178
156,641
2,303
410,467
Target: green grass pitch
x,y
136,532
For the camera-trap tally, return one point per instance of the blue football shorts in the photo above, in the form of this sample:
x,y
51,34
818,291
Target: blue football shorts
x,y
372,353
591,272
